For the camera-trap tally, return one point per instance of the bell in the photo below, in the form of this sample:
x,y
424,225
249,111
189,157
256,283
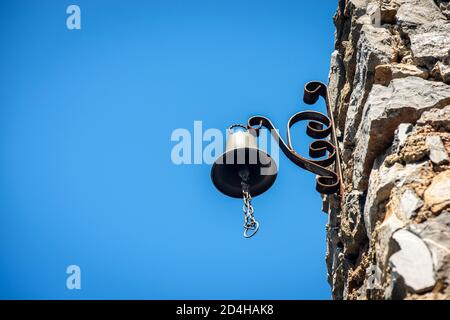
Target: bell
x,y
243,165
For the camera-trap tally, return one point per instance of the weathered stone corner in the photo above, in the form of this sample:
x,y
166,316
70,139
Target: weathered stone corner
x,y
389,88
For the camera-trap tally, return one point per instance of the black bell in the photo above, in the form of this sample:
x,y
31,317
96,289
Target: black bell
x,y
243,163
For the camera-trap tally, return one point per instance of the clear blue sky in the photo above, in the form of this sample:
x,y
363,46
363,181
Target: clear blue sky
x,y
86,176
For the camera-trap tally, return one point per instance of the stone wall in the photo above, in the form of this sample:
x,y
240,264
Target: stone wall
x,y
389,82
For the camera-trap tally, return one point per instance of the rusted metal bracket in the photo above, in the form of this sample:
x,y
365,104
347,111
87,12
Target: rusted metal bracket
x,y
319,127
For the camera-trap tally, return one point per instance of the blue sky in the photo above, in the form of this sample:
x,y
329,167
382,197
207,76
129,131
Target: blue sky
x,y
86,176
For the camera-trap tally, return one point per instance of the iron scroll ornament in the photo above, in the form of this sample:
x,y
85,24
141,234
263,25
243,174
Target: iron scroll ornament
x,y
319,127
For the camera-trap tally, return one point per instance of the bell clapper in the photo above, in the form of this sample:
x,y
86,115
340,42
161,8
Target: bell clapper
x,y
250,223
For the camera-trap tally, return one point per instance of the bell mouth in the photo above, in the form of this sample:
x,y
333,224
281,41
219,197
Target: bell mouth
x,y
225,172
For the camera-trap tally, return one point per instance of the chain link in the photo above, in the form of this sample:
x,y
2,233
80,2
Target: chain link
x,y
250,223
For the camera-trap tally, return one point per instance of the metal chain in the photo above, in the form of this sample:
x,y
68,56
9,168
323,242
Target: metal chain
x,y
237,126
250,223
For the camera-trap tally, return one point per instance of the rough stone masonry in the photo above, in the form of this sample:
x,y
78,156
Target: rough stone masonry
x,y
390,93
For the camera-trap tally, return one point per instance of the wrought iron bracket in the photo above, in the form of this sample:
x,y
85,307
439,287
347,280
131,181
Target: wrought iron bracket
x,y
321,128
